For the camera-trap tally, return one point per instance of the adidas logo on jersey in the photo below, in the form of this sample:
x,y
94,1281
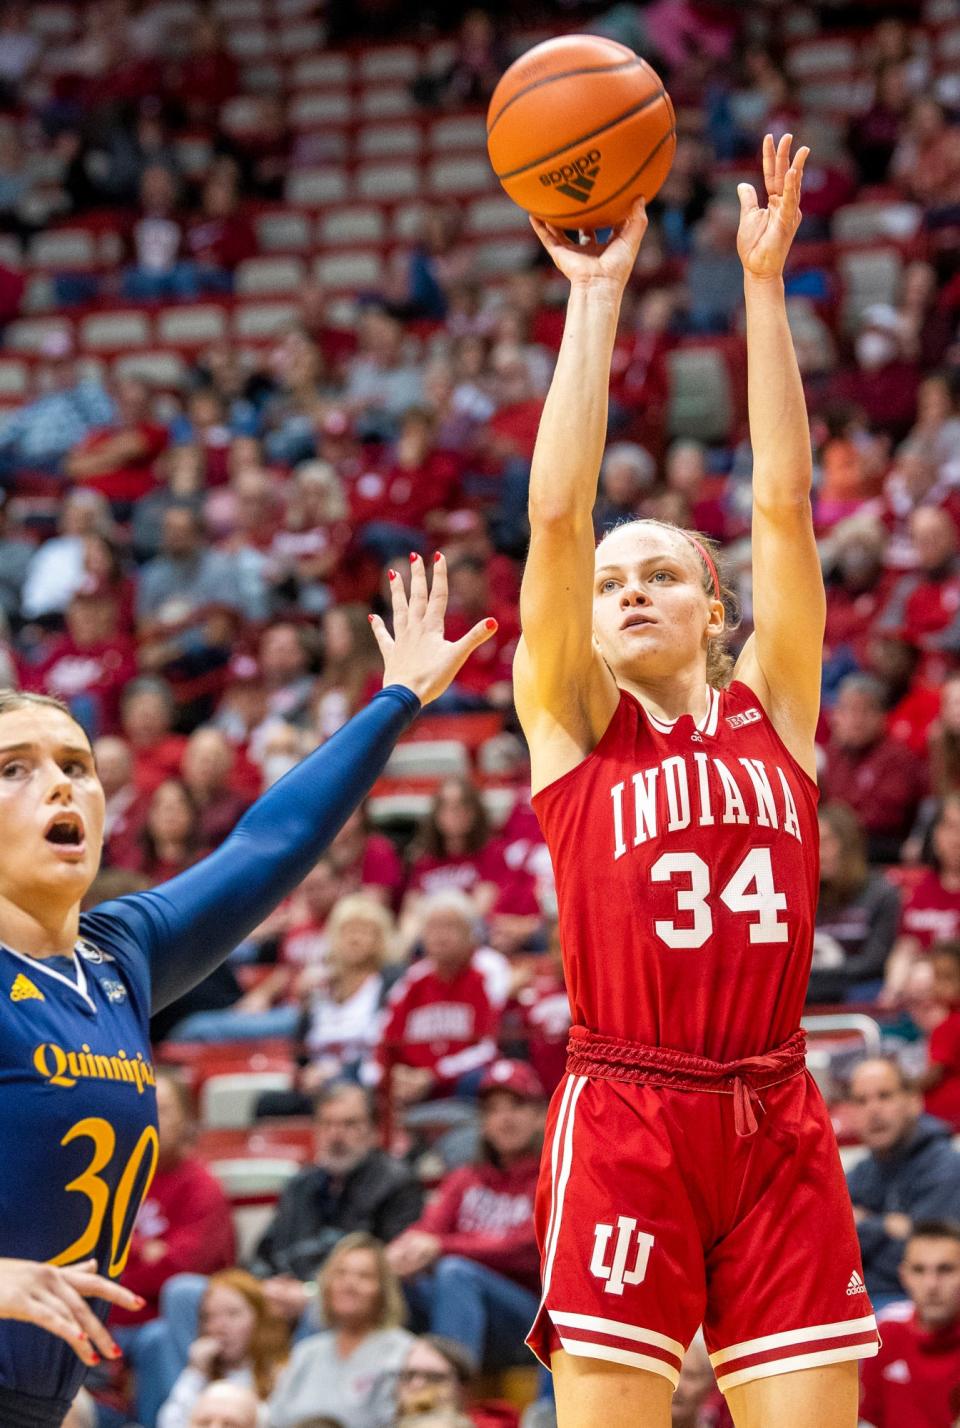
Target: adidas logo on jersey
x,y
749,716
23,990
856,1284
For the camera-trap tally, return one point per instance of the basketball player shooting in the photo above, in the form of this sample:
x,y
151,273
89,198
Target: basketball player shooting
x,y
690,1172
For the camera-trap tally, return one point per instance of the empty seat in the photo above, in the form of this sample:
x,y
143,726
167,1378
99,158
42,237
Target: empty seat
x,y
230,1099
392,808
268,275
851,1155
254,1176
352,225
386,102
194,154
429,758
310,188
349,270
459,131
283,232
408,219
818,57
159,369
505,255
183,326
248,44
496,213
231,11
853,96
258,321
948,45
115,330
700,402
40,294
465,173
29,334
263,78
10,250
860,222
54,21
63,248
319,70
323,106
388,181
241,114
376,141
13,378
871,276
295,38
390,62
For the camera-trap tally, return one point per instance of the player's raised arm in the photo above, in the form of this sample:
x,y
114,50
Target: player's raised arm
x,y
189,924
560,677
782,662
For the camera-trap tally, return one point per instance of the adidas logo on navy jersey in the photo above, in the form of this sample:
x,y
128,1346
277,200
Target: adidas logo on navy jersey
x,y
749,716
856,1284
23,990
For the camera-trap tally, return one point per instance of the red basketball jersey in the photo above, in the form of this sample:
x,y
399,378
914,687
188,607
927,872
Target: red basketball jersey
x,y
687,867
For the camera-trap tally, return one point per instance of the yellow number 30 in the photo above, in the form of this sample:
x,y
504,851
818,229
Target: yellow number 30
x,y
97,1191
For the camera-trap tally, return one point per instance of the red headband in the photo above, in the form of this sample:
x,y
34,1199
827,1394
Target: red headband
x,y
707,559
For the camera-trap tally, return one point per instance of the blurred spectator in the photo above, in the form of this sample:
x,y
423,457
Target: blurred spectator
x,y
118,459
937,428
924,607
381,383
207,76
512,430
926,162
89,665
187,576
19,51
394,506
344,1371
441,1024
146,716
123,806
912,1381
472,74
39,435
83,1412
944,740
470,1263
263,149
161,268
694,1403
226,1405
303,394
352,670
439,261
219,238
182,470
169,841
627,475
884,382
876,775
714,273
912,1172
366,861
208,763
15,554
58,567
307,553
931,909
241,1342
857,914
453,848
539,1013
284,656
941,1080
433,1376
487,682
352,1185
873,136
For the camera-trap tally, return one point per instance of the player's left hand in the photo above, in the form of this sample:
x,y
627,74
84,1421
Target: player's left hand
x,y
765,234
417,655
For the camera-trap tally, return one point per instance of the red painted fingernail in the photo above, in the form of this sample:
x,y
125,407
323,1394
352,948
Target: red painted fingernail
x,y
436,556
370,618
490,624
95,1360
115,1351
392,574
413,557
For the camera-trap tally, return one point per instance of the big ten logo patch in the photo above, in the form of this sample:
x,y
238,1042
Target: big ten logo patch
x,y
630,1243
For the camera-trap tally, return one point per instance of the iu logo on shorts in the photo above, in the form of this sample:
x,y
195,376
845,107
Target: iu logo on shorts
x,y
616,1272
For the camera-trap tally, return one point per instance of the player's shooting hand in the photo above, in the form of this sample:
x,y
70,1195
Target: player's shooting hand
x,y
591,263
417,654
765,234
55,1299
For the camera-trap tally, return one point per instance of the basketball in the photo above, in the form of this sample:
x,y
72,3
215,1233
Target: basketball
x,y
578,128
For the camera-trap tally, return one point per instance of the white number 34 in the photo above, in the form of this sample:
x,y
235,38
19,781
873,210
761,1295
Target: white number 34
x,y
750,890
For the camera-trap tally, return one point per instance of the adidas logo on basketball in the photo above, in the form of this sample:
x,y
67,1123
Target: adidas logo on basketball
x,y
576,179
856,1284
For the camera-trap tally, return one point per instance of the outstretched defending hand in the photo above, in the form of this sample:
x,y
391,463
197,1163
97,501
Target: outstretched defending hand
x,y
55,1299
418,655
765,234
586,263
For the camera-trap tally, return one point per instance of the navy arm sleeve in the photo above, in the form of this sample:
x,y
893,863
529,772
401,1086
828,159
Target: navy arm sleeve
x,y
188,925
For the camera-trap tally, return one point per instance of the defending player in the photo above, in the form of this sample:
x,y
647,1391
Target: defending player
x,y
77,1107
691,1172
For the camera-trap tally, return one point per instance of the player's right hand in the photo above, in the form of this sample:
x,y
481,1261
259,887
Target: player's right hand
x,y
589,264
55,1299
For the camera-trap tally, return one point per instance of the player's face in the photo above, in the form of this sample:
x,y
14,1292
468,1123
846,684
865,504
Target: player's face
x,y
229,1318
931,1276
651,615
51,809
885,1110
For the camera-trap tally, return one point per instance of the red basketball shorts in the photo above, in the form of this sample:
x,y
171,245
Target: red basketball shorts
x,y
661,1207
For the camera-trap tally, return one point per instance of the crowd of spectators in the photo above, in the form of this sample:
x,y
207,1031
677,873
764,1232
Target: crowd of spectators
x,y
189,564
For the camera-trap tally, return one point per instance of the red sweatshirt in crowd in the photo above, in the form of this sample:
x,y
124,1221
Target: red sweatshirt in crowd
x,y
944,1051
446,1025
187,1212
909,1383
486,1214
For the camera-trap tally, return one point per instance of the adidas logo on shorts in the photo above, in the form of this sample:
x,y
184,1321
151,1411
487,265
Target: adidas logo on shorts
x,y
856,1284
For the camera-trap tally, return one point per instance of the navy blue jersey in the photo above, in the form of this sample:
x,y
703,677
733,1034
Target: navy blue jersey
x,y
77,1101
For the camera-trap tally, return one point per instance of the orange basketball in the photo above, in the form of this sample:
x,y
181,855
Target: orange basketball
x,y
578,128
